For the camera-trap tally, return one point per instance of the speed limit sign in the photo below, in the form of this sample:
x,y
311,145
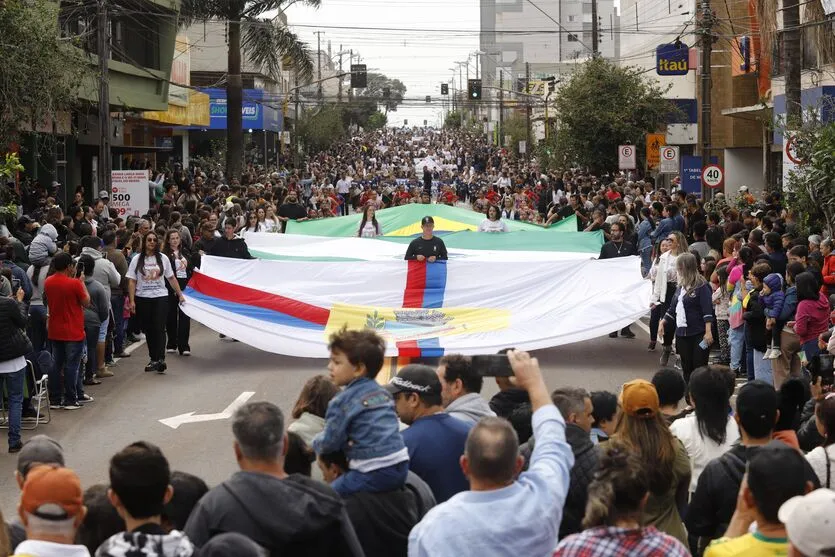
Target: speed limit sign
x,y
713,176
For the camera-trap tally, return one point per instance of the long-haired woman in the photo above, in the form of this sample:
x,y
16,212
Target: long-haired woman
x,y
710,431
691,314
493,222
664,282
271,222
617,498
738,269
251,225
148,296
178,324
369,227
642,428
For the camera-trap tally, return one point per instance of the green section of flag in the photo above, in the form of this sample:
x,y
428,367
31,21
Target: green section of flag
x,y
396,218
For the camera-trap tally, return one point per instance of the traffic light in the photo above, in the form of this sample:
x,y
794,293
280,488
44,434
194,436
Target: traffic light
x,y
444,89
359,76
474,89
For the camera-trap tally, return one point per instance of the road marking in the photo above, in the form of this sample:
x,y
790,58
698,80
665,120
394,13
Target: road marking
x,y
176,421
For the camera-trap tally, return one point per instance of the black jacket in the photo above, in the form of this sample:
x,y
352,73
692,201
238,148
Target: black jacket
x,y
234,248
13,342
807,434
714,502
294,516
505,402
756,334
586,459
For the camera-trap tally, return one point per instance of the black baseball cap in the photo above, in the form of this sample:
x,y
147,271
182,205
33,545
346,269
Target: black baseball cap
x,y
426,220
415,378
756,406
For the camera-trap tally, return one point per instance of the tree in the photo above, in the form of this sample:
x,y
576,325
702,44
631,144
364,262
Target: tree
x,y
266,42
810,191
381,91
40,73
602,106
452,120
376,121
320,129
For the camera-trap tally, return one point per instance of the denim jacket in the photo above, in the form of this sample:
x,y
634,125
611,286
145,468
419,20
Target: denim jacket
x,y
361,421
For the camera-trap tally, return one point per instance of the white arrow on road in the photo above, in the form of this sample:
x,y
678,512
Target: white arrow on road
x,y
176,421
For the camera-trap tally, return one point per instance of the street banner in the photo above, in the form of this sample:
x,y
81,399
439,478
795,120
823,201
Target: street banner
x,y
421,309
130,194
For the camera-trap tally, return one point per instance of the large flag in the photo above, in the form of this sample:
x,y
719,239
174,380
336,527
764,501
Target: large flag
x,y
464,305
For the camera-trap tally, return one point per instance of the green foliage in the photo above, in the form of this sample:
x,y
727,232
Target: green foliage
x,y
40,73
452,120
372,100
810,192
320,129
602,106
517,128
376,121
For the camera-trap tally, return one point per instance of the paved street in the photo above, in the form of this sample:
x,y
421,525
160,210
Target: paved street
x,y
129,405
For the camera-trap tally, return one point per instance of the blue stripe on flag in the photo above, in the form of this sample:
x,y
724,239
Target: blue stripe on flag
x,y
430,348
433,296
253,312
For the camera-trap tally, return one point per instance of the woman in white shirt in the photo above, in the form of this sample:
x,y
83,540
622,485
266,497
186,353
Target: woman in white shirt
x,y
664,282
271,222
148,296
493,222
369,227
710,431
251,225
822,459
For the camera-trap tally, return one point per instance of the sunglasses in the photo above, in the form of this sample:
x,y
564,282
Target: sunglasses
x,y
150,240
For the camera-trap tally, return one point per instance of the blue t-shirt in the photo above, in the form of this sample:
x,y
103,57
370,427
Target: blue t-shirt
x,y
435,445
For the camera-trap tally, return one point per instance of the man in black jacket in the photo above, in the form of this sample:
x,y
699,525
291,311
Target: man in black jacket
x,y
576,407
285,514
230,245
714,500
617,246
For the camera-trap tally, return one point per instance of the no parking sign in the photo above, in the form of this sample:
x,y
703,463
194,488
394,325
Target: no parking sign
x,y
668,162
627,159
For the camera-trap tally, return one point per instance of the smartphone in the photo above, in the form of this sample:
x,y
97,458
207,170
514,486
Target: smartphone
x,y
823,368
704,345
15,285
492,365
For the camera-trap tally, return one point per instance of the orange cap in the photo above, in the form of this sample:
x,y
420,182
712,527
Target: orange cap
x,y
52,493
639,398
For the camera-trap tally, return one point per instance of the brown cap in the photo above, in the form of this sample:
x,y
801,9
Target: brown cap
x,y
52,493
639,398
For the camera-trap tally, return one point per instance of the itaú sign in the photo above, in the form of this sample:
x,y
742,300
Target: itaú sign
x,y
672,59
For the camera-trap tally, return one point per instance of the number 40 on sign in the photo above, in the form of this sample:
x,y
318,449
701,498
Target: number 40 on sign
x,y
713,176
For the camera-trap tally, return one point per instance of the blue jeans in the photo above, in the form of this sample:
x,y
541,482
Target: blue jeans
x,y
736,338
37,327
646,261
117,302
811,348
762,368
62,380
14,388
384,479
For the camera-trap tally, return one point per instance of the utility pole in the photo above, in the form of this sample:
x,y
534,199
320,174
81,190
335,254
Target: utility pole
x,y
103,36
528,109
341,77
501,109
791,61
595,30
296,142
351,89
706,30
319,64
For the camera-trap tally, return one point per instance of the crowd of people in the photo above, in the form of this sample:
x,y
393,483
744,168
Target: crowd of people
x,y
687,463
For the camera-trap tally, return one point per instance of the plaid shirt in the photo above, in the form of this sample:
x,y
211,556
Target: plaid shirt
x,y
610,541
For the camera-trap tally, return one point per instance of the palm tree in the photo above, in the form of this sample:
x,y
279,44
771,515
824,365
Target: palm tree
x,y
265,42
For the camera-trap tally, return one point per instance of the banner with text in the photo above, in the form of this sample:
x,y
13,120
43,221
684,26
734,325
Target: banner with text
x,y
129,195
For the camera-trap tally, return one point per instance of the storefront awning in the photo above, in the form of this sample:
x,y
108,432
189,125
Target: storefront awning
x,y
758,112
195,114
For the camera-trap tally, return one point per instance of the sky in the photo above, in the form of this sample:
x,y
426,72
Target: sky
x,y
423,41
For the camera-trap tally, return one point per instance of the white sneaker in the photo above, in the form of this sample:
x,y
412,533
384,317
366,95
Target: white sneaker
x,y
170,350
776,353
75,406
767,355
186,353
85,398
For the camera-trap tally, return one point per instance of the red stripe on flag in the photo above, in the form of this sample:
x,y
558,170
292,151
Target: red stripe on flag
x,y
415,285
249,296
413,298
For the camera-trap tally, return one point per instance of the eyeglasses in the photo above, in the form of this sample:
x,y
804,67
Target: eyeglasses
x,y
150,240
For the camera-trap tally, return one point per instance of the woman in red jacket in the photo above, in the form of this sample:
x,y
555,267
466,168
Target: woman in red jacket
x,y
812,316
828,270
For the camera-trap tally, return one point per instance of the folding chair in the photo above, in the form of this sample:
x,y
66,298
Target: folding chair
x,y
39,394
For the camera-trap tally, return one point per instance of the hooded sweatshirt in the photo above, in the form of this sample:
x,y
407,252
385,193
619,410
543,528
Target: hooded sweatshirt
x,y
149,540
105,271
773,302
469,408
43,246
811,318
291,516
38,548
